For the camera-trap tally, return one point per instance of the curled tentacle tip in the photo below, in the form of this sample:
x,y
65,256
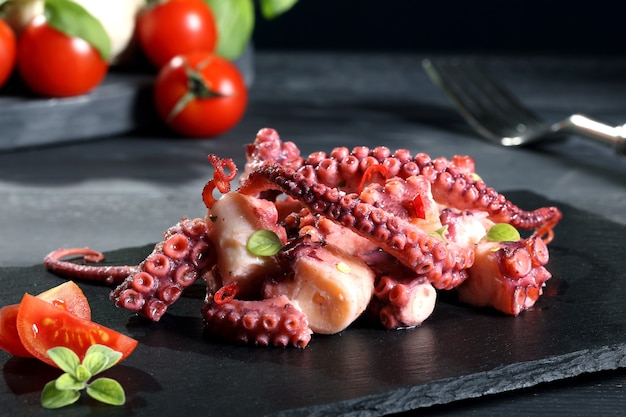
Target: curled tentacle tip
x,y
88,254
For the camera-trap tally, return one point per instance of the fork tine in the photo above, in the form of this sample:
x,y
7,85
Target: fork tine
x,y
497,92
486,105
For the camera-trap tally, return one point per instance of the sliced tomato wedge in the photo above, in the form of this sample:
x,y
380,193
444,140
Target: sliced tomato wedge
x,y
70,298
42,326
9,339
67,296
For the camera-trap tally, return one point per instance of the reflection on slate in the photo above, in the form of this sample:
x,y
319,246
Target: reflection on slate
x,y
578,326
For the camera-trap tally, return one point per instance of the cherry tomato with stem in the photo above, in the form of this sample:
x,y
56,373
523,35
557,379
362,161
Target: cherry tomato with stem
x,y
200,95
176,27
8,51
54,64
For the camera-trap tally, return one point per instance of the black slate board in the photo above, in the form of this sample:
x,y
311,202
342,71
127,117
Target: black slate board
x,y
578,326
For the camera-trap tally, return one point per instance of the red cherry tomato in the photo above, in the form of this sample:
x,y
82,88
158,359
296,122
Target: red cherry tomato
x,y
8,51
176,27
200,94
54,64
9,339
42,326
67,296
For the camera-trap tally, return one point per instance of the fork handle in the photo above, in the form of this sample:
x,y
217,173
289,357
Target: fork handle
x,y
593,129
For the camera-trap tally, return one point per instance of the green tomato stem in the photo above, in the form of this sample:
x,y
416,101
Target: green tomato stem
x,y
197,88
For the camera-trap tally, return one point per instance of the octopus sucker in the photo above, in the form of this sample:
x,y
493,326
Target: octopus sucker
x,y
371,221
245,326
161,278
348,232
402,302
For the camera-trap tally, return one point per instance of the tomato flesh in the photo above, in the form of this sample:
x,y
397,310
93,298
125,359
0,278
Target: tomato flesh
x,y
9,339
67,296
42,326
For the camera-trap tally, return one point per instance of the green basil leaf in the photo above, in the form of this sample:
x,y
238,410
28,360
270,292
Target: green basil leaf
x,y
67,382
264,243
74,20
274,8
107,390
65,359
235,22
51,397
440,233
99,358
503,232
82,373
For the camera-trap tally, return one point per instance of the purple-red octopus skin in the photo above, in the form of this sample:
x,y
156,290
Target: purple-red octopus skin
x,y
331,185
275,321
401,302
454,182
174,264
109,274
444,265
508,276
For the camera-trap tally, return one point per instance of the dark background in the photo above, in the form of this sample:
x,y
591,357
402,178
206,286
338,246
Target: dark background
x,y
535,26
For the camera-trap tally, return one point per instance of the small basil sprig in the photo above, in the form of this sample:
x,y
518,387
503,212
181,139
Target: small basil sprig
x,y
264,243
503,232
65,390
440,233
235,22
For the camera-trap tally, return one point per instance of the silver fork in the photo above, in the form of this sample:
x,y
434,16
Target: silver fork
x,y
498,116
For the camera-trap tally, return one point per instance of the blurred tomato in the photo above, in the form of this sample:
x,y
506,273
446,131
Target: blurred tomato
x,y
200,94
176,27
8,51
54,64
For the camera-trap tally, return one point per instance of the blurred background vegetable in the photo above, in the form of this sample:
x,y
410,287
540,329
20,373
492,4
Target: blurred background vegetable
x,y
235,22
116,16
63,48
8,51
175,27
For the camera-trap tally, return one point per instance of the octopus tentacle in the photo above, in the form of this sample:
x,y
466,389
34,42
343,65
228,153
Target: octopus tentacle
x,y
463,191
453,181
102,273
508,276
400,302
275,321
411,245
428,215
174,264
221,179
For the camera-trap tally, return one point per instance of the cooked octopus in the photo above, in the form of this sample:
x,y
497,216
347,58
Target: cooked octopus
x,y
358,233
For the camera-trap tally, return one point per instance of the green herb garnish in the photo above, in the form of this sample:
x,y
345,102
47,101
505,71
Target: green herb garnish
x,y
441,233
65,390
503,232
235,22
264,243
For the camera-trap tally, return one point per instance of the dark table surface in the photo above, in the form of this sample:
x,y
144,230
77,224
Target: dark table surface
x,y
124,191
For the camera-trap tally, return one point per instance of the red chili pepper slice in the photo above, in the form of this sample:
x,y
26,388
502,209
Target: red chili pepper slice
x,y
370,172
226,293
418,206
